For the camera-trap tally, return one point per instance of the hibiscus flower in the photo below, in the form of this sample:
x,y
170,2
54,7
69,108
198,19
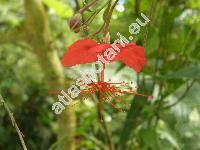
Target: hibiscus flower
x,y
86,51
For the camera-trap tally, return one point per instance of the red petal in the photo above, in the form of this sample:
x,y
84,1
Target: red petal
x,y
86,51
77,53
133,56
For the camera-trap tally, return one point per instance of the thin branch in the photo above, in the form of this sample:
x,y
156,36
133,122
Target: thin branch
x,y
102,120
187,39
96,141
137,5
77,5
92,17
20,134
109,17
108,134
87,6
149,25
100,29
189,86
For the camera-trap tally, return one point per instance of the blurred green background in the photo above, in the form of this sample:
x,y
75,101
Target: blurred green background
x,y
34,34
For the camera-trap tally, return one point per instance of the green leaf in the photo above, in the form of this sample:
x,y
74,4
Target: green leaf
x,y
63,10
194,3
167,136
190,72
149,137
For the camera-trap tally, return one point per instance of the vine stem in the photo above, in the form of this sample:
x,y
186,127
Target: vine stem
x,y
101,111
20,134
109,17
188,87
103,122
87,6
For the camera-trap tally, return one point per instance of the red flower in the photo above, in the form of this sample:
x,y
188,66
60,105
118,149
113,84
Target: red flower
x,y
86,51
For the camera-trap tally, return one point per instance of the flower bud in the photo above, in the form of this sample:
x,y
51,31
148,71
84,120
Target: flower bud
x,y
75,23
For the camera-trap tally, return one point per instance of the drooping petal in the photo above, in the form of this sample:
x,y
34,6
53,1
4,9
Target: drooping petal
x,y
86,51
133,56
98,50
77,53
